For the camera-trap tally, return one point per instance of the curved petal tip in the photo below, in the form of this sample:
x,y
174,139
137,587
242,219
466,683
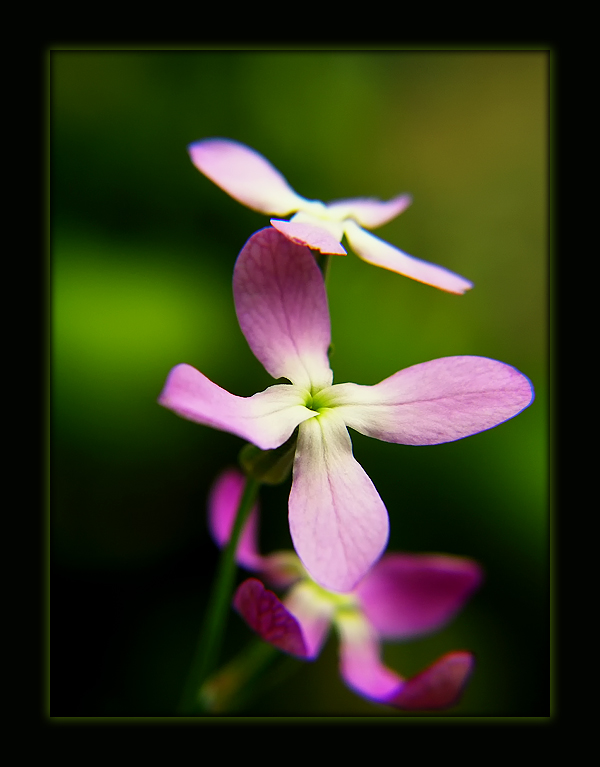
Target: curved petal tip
x,y
223,501
311,235
439,686
245,175
380,253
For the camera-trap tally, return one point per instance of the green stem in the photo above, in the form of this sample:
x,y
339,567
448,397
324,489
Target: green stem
x,y
252,673
231,687
323,260
206,657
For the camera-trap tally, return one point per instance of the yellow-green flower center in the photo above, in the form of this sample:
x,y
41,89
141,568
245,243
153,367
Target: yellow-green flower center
x,y
346,603
319,400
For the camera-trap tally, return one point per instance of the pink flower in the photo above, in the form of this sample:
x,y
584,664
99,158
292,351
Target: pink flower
x,y
404,596
251,179
338,522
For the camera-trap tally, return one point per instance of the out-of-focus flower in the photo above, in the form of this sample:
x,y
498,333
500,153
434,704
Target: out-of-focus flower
x,y
338,522
404,596
250,178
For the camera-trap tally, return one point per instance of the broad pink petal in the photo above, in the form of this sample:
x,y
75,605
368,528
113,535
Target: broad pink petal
x,y
310,235
407,595
281,305
360,663
338,522
245,175
380,253
265,614
224,499
439,686
434,402
266,419
313,612
368,211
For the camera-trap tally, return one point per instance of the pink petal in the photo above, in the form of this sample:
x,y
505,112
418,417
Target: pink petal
x,y
224,499
407,595
266,419
338,522
434,402
310,235
369,212
360,664
282,568
380,253
265,614
439,686
313,611
245,175
281,305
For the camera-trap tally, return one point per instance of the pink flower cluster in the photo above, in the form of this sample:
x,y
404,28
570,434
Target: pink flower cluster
x,y
338,522
403,596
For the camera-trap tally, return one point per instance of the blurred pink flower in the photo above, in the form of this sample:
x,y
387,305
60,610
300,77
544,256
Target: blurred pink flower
x,y
338,522
403,596
250,178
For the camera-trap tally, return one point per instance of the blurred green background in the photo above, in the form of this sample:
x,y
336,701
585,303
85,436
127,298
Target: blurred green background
x,y
142,252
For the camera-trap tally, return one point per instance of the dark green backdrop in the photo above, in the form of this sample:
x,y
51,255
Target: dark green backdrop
x,y
142,252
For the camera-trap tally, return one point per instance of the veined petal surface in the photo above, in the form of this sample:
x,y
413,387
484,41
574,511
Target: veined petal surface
x,y
309,235
380,253
266,419
282,309
338,522
245,175
368,211
438,401
408,595
265,614
223,502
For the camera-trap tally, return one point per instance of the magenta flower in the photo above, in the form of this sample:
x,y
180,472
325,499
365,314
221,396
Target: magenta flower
x,y
404,596
251,179
338,522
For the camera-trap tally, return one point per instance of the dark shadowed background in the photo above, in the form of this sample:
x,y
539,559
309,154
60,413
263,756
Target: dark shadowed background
x,y
142,252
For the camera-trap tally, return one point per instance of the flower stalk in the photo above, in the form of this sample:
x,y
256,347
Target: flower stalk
x,y
269,467
323,262
230,688
206,657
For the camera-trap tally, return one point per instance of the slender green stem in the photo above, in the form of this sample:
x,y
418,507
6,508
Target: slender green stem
x,y
206,657
323,260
